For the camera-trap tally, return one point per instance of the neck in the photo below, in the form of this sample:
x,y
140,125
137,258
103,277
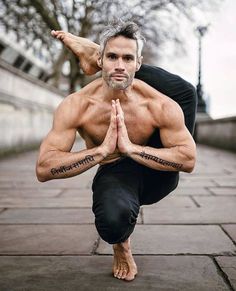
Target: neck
x,y
113,94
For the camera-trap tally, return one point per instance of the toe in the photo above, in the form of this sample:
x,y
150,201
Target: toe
x,y
130,276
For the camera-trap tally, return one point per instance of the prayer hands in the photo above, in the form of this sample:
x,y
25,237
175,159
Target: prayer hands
x,y
123,142
117,135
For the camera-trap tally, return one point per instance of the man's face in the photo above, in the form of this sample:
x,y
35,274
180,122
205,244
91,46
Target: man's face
x,y
119,62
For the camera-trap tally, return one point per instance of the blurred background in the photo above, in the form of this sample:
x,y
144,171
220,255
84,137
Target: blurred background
x,y
192,38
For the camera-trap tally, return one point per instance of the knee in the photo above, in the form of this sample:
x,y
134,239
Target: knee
x,y
115,224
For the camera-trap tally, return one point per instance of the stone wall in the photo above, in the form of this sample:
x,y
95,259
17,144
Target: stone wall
x,y
26,109
220,133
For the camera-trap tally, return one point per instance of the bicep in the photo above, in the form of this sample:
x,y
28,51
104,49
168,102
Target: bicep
x,y
63,133
173,132
59,140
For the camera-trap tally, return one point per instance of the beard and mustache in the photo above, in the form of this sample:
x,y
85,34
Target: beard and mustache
x,y
124,82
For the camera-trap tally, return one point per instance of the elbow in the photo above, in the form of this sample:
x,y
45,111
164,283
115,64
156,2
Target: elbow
x,y
41,174
189,164
189,158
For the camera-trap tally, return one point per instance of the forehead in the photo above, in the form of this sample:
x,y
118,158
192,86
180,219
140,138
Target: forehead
x,y
121,44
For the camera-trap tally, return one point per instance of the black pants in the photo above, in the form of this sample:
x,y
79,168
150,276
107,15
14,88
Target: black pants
x,y
121,187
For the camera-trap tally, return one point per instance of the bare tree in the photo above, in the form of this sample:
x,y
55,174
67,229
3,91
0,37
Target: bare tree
x,y
32,21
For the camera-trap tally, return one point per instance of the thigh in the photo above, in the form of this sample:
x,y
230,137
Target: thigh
x,y
117,186
157,185
174,87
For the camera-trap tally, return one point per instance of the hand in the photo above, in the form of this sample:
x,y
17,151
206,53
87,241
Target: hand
x,y
110,142
124,144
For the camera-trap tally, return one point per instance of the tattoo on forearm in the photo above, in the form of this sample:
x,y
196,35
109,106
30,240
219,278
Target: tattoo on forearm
x,y
75,165
160,161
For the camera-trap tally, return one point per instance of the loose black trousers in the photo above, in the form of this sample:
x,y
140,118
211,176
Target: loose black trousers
x,y
121,187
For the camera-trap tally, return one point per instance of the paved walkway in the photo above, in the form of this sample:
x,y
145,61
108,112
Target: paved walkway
x,y
186,242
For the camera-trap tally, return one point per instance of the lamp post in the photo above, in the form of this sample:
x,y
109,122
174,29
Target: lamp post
x,y
201,30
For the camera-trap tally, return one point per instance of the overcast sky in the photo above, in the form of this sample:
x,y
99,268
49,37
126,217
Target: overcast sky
x,y
218,60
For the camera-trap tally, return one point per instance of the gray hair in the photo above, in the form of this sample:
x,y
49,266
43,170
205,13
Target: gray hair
x,y
121,28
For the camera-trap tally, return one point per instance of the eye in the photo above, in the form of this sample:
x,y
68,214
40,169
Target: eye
x,y
128,58
112,57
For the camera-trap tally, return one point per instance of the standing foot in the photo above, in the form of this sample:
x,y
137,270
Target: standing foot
x,y
124,266
86,50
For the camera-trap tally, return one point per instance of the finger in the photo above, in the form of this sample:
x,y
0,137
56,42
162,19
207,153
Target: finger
x,y
113,111
113,105
119,121
119,108
113,121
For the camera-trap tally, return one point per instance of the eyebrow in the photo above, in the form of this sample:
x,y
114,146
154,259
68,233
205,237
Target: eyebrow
x,y
125,55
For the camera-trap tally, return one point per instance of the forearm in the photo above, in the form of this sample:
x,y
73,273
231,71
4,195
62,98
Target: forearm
x,y
58,165
163,159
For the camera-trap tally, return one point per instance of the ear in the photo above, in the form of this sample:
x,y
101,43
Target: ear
x,y
139,63
99,61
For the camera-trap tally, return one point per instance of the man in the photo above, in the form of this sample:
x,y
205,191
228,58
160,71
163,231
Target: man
x,y
136,133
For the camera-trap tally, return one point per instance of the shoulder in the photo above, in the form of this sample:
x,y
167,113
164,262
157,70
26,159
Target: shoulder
x,y
165,111
75,105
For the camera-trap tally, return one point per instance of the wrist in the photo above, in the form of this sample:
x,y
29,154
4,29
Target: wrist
x,y
103,151
131,149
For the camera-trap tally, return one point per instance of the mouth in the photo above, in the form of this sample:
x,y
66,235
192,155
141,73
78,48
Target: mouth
x,y
119,76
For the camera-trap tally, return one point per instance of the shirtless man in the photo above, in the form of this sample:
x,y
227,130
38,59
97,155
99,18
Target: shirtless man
x,y
136,133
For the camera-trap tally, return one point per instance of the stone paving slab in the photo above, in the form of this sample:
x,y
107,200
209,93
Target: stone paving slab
x,y
93,273
221,201
47,239
223,190
46,202
228,265
177,239
172,201
195,183
231,230
212,210
227,182
32,182
191,191
47,216
24,193
74,193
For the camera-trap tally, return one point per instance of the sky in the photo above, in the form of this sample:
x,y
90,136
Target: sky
x,y
218,60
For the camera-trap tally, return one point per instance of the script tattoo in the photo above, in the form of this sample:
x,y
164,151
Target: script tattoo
x,y
160,161
75,165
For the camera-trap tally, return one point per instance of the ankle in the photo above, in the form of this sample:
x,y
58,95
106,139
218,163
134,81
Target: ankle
x,y
123,246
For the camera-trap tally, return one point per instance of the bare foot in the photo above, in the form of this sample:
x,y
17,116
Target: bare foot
x,y
124,266
86,50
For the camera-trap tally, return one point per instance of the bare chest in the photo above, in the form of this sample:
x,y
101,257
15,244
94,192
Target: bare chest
x,y
95,123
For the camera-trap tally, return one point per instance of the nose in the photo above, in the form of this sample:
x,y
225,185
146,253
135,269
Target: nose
x,y
120,65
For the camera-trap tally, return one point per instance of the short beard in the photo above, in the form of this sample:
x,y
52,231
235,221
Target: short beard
x,y
117,85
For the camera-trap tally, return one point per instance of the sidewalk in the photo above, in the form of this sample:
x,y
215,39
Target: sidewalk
x,y
48,240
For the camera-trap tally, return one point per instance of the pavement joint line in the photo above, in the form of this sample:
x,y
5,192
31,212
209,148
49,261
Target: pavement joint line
x,y
228,235
60,193
222,274
194,201
110,255
211,192
95,245
73,207
141,216
3,210
140,224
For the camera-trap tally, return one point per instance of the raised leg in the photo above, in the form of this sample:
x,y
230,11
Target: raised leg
x,y
86,50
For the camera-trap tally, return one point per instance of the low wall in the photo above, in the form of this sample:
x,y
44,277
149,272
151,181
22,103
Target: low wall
x,y
220,133
26,109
